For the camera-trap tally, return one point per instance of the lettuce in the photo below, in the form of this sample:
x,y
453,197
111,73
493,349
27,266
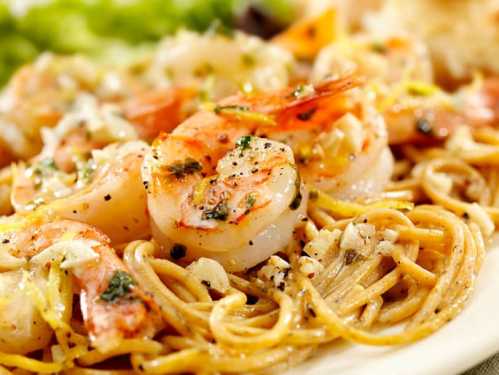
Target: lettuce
x,y
94,27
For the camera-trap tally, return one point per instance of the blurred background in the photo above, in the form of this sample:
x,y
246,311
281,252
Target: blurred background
x,y
121,30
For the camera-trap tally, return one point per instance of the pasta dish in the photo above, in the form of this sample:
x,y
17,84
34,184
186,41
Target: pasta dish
x,y
229,204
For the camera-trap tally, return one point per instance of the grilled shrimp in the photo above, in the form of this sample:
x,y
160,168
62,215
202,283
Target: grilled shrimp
x,y
231,196
79,180
37,96
399,71
113,306
157,111
422,113
22,328
108,182
219,65
338,138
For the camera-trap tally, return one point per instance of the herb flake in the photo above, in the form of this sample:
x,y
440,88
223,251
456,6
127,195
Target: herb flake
x,y
250,200
219,212
187,167
243,143
119,286
301,91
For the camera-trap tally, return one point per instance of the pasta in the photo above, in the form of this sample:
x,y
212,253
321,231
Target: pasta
x,y
270,222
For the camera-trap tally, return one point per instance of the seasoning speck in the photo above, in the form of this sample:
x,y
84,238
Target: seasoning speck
x,y
178,251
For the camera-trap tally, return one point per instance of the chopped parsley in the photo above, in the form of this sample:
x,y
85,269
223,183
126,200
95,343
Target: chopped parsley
x,y
119,286
44,167
219,212
295,203
250,200
86,171
243,143
302,90
182,169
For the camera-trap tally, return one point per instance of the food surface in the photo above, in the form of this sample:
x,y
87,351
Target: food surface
x,y
230,203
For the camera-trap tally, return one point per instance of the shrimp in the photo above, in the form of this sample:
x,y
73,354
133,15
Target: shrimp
x,y
337,136
157,111
217,189
109,182
36,97
23,330
399,72
78,177
425,114
218,65
5,156
113,306
208,197
5,189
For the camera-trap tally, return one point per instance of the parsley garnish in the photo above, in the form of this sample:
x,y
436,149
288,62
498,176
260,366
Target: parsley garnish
x,y
119,286
86,171
181,169
244,142
219,212
295,203
44,166
302,90
250,200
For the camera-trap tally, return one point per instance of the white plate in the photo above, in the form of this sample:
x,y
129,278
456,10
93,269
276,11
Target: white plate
x,y
464,342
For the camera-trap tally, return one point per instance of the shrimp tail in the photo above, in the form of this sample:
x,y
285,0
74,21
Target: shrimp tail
x,y
303,106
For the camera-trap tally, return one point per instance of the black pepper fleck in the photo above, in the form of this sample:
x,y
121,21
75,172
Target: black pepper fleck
x,y
423,126
178,251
